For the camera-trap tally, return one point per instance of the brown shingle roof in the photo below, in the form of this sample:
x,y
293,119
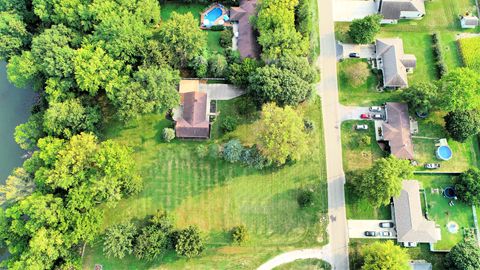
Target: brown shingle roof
x,y
194,122
247,40
396,130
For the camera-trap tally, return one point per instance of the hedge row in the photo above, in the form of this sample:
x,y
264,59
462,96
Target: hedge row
x,y
438,56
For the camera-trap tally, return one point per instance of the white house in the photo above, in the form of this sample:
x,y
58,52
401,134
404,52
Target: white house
x,y
394,10
469,21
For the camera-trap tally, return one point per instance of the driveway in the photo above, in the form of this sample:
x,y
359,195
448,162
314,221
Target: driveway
x,y
357,228
352,113
348,10
222,91
365,51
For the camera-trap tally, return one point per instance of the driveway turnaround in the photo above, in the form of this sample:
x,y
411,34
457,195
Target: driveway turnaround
x,y
366,51
348,10
357,228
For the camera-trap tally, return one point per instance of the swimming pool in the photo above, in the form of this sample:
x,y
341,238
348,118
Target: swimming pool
x,y
213,15
444,152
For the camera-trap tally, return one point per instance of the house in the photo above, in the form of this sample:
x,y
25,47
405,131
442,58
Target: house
x,y
394,133
411,225
393,10
243,30
192,117
469,21
393,62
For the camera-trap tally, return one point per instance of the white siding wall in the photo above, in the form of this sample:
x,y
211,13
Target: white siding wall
x,y
411,15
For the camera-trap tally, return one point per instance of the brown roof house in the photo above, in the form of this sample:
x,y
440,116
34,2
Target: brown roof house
x,y
242,29
393,62
411,225
192,120
395,130
393,10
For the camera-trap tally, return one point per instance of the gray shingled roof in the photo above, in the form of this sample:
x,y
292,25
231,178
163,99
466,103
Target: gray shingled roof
x,y
410,223
396,130
391,9
395,62
470,20
247,40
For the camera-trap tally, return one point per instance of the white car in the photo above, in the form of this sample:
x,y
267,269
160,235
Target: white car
x,y
375,109
409,244
385,233
361,127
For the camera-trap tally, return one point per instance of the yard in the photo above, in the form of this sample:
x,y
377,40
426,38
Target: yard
x,y
439,210
216,195
306,264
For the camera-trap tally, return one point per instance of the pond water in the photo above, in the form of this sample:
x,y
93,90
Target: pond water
x,y
15,107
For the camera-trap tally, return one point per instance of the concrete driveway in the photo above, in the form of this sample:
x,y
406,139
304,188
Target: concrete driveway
x,y
222,91
348,10
364,51
357,228
352,113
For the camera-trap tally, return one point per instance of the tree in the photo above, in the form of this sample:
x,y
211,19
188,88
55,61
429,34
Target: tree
x,y
305,197
421,97
217,65
459,90
151,243
118,240
180,41
188,242
168,134
22,69
27,134
382,181
232,151
463,256
272,84
363,31
238,73
357,73
65,119
385,255
298,66
467,186
281,135
239,234
461,124
13,35
18,186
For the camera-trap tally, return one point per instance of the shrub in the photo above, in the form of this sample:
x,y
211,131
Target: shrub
x,y
214,150
201,150
188,242
232,151
251,157
461,125
200,65
229,124
217,28
470,50
357,73
168,134
366,140
217,65
438,56
305,197
239,234
151,243
308,125
226,38
118,240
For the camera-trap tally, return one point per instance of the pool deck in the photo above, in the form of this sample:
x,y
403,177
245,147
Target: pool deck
x,y
210,8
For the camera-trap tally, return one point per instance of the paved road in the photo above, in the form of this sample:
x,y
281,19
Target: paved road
x,y
328,90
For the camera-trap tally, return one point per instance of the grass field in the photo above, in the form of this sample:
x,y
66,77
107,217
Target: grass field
x,y
470,51
307,264
216,196
213,37
442,213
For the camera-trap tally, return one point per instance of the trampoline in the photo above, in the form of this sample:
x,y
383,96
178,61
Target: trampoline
x,y
449,192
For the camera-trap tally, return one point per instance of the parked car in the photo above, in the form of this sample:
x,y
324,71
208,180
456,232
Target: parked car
x,y
386,224
365,116
375,109
432,165
409,244
385,233
370,233
354,55
377,116
361,127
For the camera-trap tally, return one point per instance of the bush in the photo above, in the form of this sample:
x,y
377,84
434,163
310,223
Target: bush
x,y
201,150
200,65
251,157
217,28
226,38
239,234
238,73
118,240
214,151
232,151
366,140
357,73
308,125
305,197
461,125
151,243
438,56
217,66
229,124
188,242
168,134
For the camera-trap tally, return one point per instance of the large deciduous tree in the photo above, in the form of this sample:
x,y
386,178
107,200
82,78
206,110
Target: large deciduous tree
x,y
421,97
385,255
18,185
467,186
459,90
363,31
27,134
461,124
463,256
13,35
281,135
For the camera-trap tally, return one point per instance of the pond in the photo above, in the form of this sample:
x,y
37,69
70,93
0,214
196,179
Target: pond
x,y
15,107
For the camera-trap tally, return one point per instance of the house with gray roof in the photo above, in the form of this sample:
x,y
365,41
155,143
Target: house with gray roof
x,y
469,21
394,10
411,224
243,30
394,133
393,62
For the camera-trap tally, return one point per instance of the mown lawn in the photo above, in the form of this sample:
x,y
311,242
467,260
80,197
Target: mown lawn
x,y
213,37
307,264
365,94
215,196
442,213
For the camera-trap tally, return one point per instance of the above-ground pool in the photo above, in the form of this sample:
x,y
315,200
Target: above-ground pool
x,y
213,15
444,152
449,192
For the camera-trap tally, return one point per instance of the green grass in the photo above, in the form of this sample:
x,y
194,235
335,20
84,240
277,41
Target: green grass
x,y
315,33
307,264
213,37
442,213
216,196
360,208
470,51
365,94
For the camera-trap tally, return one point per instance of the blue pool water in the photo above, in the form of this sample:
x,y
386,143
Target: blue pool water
x,y
213,14
444,152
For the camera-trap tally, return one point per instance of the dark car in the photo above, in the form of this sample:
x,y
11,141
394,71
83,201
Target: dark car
x,y
370,233
432,166
377,116
386,224
354,55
